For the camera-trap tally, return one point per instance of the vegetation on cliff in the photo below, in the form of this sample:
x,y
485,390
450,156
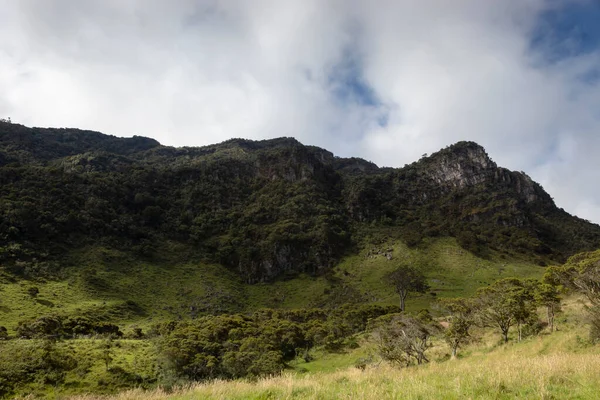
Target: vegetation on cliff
x,y
265,209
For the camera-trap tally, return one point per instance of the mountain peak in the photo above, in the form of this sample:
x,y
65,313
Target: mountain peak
x,y
459,165
469,152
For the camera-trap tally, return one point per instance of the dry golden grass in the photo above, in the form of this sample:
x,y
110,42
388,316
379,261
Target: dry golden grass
x,y
561,365
507,373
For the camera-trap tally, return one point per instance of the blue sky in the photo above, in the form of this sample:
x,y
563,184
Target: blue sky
x,y
386,83
569,30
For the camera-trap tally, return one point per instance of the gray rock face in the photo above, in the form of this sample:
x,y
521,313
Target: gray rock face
x,y
468,167
466,164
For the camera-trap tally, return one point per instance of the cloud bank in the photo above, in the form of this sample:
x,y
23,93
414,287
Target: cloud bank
x,y
386,80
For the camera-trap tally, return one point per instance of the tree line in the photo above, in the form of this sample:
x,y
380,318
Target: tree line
x,y
505,305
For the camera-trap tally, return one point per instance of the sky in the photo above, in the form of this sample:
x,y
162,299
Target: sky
x,y
379,79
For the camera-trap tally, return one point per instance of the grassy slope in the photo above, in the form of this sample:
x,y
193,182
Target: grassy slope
x,y
560,365
452,271
503,376
177,287
134,356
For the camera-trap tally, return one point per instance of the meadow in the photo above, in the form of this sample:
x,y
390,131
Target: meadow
x,y
135,294
558,365
132,293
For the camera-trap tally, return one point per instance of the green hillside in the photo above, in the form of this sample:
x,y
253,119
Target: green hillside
x,y
533,370
125,263
562,364
115,287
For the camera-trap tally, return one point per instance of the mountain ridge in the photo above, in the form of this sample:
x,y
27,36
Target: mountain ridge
x,y
267,208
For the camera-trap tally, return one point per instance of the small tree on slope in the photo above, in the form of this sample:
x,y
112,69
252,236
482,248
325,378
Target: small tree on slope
x,y
406,279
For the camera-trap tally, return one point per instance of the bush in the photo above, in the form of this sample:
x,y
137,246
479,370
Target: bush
x,y
403,339
3,333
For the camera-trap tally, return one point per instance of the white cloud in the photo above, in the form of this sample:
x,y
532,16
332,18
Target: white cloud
x,y
197,72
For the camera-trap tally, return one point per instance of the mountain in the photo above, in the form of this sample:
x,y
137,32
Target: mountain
x,y
264,209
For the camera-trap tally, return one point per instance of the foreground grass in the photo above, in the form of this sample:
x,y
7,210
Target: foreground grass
x,y
561,365
508,376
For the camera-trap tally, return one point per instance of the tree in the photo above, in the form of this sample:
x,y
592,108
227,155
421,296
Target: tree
x,y
581,274
45,327
54,363
255,357
407,279
33,291
547,295
106,352
503,304
402,339
461,319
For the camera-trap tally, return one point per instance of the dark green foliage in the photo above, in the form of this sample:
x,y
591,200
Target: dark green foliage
x,y
55,326
254,358
223,346
39,361
459,191
33,291
136,333
270,209
505,303
581,274
266,209
237,346
44,327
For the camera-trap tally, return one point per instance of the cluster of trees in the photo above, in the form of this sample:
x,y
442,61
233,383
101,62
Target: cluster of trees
x,y
262,343
262,214
40,361
234,346
581,274
37,367
505,304
493,214
225,346
65,327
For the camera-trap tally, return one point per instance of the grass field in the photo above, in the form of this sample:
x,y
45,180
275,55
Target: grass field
x,y
451,271
552,366
560,365
505,377
131,292
116,287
